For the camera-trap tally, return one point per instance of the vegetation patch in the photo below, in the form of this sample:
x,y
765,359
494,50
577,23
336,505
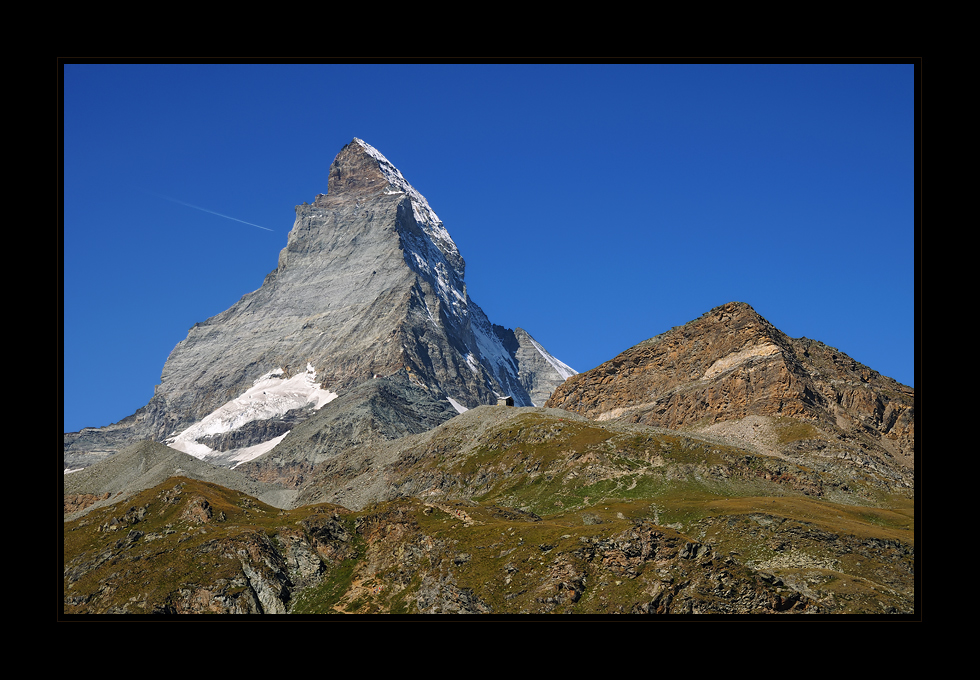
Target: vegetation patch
x,y
539,515
324,597
790,430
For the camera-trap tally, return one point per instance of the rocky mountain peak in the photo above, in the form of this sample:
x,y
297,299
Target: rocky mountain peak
x,y
360,172
370,283
730,366
740,319
721,338
356,171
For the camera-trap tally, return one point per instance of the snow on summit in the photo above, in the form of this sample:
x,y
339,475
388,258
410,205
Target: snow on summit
x,y
433,254
424,214
436,257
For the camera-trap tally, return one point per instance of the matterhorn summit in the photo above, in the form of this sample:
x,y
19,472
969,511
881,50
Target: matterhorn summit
x,y
370,285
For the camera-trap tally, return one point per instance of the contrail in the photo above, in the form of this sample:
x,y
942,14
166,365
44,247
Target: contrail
x,y
227,217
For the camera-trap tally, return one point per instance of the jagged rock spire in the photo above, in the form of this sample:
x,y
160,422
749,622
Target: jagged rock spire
x,y
369,283
360,171
356,172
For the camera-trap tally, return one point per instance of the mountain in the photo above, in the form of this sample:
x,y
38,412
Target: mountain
x,y
732,373
720,467
370,283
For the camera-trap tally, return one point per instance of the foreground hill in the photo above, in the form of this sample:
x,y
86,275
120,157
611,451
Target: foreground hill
x,y
147,464
509,510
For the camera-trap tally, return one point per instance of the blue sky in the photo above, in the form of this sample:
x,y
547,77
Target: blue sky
x,y
595,205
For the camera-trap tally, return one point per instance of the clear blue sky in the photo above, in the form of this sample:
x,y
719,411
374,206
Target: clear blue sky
x,y
595,205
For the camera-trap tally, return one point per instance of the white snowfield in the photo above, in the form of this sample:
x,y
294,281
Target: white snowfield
x,y
424,214
269,396
456,405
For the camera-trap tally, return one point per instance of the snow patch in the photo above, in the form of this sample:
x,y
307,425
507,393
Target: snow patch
x,y
456,405
250,452
270,396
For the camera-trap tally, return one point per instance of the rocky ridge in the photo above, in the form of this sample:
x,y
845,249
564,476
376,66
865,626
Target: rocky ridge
x,y
538,371
801,398
146,464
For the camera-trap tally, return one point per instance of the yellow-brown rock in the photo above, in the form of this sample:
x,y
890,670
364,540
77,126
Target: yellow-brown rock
x,y
730,364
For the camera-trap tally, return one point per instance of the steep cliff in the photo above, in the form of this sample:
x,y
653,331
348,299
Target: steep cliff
x,y
369,283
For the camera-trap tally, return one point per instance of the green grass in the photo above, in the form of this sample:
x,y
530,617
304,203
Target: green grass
x,y
324,596
582,481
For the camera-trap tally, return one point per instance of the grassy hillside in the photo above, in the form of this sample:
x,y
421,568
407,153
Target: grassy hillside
x,y
522,512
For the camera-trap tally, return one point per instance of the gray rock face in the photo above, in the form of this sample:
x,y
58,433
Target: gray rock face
x,y
93,444
369,283
372,413
538,372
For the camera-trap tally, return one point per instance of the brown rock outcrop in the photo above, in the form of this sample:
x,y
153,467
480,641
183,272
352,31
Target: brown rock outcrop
x,y
79,501
731,363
